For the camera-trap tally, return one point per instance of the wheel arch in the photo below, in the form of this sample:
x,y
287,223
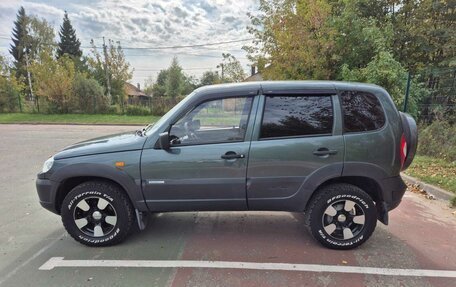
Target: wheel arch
x,y
70,176
368,184
68,184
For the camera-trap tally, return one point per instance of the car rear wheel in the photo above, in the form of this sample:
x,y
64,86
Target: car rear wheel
x,y
341,216
97,213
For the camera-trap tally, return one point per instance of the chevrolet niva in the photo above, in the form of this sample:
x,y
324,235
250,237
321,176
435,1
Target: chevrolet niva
x,y
332,150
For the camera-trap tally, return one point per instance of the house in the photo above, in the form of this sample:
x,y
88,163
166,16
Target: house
x,y
254,75
136,96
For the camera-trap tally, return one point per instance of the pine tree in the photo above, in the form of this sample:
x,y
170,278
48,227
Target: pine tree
x,y
18,48
69,43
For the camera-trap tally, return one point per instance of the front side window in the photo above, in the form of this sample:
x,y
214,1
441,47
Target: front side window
x,y
289,116
362,112
216,121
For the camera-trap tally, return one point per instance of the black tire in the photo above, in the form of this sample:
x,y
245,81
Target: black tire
x,y
102,210
335,227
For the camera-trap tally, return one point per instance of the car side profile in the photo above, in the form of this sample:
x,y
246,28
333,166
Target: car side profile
x,y
332,150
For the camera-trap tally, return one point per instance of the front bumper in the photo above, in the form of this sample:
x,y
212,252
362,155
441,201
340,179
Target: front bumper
x,y
47,190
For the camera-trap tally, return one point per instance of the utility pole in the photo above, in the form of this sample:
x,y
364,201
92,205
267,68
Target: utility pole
x,y
108,81
223,70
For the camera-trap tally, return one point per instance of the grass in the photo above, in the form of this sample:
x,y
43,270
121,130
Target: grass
x,y
23,118
434,171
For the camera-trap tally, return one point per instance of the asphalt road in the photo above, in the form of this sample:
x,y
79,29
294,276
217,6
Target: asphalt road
x,y
421,236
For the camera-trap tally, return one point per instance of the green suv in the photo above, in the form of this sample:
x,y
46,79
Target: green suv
x,y
332,150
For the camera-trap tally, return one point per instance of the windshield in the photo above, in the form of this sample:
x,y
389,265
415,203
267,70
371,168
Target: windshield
x,y
153,127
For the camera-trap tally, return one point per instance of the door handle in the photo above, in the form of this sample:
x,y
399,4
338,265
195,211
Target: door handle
x,y
324,151
232,155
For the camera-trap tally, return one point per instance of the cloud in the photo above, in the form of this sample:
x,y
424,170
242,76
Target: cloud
x,y
139,23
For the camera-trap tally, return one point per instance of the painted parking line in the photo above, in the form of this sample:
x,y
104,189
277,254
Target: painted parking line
x,y
55,262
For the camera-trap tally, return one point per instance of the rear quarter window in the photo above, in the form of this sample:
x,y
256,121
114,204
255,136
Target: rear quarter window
x,y
362,112
292,116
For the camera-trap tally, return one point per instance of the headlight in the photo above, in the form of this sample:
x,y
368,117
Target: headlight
x,y
47,165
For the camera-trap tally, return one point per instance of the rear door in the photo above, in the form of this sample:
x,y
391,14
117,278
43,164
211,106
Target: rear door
x,y
296,135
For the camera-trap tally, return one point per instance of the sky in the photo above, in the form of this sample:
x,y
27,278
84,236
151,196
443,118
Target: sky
x,y
148,23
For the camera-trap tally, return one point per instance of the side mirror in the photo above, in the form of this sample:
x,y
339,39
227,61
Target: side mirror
x,y
196,125
164,141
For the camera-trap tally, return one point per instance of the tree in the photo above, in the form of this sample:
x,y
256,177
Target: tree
x,y
41,38
10,88
54,82
174,79
149,86
69,43
18,48
189,84
159,88
209,78
293,38
231,69
111,70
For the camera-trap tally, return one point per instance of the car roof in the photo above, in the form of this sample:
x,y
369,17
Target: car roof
x,y
277,87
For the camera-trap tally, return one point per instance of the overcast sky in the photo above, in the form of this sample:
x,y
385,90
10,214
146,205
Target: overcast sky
x,y
153,23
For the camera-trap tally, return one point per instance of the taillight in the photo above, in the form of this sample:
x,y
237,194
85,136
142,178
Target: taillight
x,y
403,150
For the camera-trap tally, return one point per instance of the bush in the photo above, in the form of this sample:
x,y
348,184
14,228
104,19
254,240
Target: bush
x,y
438,140
137,111
161,105
114,109
89,95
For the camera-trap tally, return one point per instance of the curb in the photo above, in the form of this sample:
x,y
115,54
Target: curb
x,y
434,190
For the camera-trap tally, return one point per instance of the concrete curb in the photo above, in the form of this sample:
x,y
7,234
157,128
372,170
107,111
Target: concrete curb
x,y
434,190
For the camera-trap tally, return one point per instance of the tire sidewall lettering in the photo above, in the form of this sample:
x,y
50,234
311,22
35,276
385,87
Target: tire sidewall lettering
x,y
347,196
83,195
95,241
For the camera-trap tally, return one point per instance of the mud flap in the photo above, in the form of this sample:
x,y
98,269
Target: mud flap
x,y
141,218
382,212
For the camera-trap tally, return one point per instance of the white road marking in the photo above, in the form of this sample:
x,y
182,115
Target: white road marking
x,y
34,256
54,262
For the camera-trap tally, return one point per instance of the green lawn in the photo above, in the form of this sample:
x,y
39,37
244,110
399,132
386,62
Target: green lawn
x,y
15,118
434,171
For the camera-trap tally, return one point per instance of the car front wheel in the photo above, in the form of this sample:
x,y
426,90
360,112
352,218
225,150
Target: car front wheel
x,y
341,216
97,213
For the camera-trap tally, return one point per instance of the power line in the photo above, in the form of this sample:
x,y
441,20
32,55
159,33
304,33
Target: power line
x,y
156,70
161,47
186,46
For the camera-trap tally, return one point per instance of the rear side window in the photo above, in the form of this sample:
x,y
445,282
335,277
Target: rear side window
x,y
362,112
289,116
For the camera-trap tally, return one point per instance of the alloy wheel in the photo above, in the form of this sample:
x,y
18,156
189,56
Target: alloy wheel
x,y
343,220
95,216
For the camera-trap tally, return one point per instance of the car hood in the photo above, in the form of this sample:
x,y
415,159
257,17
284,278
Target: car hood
x,y
107,144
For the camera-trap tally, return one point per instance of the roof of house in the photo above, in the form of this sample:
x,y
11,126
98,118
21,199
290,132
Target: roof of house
x,y
255,77
132,90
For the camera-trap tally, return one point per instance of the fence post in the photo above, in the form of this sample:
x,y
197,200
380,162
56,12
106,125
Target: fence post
x,y
407,91
19,100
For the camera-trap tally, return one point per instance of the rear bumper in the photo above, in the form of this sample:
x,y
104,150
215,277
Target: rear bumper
x,y
47,190
393,191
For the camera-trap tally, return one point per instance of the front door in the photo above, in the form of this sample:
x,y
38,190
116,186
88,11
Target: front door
x,y
205,169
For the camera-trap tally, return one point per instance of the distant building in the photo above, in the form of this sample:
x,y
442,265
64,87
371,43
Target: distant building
x,y
254,75
135,95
